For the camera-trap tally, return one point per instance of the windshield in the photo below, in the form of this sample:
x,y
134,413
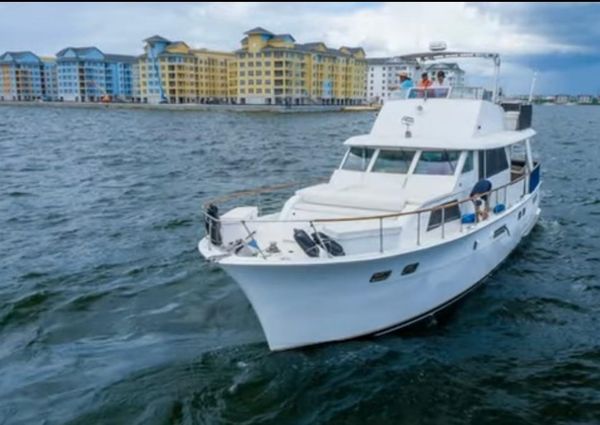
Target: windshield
x,y
437,162
358,159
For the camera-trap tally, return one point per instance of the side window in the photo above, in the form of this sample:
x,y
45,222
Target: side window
x,y
451,213
468,166
358,159
495,161
393,161
492,162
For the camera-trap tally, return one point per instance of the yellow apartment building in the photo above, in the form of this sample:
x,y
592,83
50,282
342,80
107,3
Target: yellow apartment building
x,y
172,72
213,75
274,69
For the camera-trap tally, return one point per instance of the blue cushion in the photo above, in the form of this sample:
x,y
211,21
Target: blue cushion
x,y
468,218
499,208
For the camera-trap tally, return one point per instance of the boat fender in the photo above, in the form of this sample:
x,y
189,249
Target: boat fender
x,y
325,242
212,225
309,247
468,218
499,208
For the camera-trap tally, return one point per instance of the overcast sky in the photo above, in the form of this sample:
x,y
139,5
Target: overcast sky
x,y
560,41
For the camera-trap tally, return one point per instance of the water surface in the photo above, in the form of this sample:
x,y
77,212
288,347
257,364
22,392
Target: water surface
x,y
108,314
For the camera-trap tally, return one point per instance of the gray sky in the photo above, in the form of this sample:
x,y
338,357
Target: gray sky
x,y
559,40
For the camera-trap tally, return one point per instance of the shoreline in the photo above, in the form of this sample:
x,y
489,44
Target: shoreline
x,y
192,107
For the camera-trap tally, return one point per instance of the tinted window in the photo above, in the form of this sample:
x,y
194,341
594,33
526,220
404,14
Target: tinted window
x,y
468,163
451,213
495,162
358,159
437,162
393,161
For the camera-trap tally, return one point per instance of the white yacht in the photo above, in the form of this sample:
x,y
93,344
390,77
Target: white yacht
x,y
419,211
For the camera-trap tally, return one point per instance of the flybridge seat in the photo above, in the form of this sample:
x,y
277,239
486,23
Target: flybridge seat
x,y
354,196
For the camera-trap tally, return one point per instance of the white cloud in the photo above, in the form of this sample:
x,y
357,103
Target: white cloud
x,y
383,29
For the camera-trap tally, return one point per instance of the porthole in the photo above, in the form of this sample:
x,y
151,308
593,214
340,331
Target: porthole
x,y
411,268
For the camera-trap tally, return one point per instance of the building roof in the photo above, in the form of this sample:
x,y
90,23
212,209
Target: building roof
x,y
258,30
390,61
314,47
283,36
353,49
446,66
156,38
17,56
79,51
120,58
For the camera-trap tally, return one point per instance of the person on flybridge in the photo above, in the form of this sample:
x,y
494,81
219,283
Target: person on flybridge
x,y
439,81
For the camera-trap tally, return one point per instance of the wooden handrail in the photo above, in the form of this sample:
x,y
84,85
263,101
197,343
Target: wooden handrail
x,y
371,217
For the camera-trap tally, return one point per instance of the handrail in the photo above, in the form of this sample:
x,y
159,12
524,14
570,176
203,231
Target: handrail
x,y
361,218
523,178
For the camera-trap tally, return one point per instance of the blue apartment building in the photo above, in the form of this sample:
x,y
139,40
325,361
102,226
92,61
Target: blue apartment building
x,y
86,74
24,76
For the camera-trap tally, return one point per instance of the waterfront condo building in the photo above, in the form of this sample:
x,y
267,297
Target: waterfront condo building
x,y
25,76
454,75
383,78
85,74
171,71
274,69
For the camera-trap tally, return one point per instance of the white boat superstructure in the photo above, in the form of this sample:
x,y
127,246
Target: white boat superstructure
x,y
399,231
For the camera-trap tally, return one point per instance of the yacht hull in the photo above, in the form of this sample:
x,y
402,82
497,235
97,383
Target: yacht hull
x,y
305,304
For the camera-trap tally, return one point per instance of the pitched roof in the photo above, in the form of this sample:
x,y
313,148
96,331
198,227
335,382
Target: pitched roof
x,y
282,36
120,58
258,30
79,50
16,56
451,66
394,60
156,38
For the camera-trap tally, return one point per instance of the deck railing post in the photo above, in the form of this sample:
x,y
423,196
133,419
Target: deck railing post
x,y
419,228
381,234
443,222
505,196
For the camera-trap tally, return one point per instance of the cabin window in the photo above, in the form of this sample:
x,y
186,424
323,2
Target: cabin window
x,y
358,159
468,163
393,161
492,162
451,213
441,163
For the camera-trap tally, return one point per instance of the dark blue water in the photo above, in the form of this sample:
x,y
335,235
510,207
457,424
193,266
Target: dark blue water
x,y
108,314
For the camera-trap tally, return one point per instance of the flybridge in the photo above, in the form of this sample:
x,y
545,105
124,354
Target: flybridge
x,y
437,55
